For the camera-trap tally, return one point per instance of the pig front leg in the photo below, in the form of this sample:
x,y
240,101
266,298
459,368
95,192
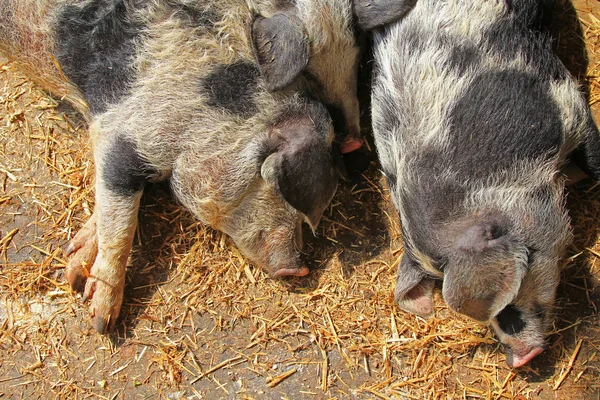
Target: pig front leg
x,y
99,252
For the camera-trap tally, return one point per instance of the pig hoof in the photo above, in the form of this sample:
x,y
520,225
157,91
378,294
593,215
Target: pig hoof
x,y
302,271
105,303
101,324
516,361
82,250
76,279
350,144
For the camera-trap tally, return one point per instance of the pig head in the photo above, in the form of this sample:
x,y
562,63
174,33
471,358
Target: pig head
x,y
323,58
474,116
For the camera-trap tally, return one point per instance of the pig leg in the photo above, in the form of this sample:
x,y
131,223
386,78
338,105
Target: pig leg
x,y
414,289
117,221
120,177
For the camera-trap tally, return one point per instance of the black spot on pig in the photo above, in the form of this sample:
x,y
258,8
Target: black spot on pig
x,y
463,57
510,320
123,170
504,117
95,45
530,20
533,14
232,88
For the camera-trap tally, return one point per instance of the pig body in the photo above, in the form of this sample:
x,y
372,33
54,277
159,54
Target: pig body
x,y
227,99
473,117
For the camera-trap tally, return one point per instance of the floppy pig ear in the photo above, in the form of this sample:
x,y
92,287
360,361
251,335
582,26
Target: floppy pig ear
x,y
414,291
374,13
587,156
280,45
484,276
301,170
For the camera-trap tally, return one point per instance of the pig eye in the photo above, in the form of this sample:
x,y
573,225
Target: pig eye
x,y
298,236
494,231
531,254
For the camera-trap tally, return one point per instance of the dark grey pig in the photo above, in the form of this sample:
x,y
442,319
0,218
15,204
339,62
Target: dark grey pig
x,y
228,99
473,118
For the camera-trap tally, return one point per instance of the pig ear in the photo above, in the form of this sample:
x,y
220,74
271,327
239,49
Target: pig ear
x,y
414,291
587,156
280,45
374,13
301,171
485,275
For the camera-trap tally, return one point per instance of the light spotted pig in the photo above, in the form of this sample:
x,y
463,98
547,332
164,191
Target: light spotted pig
x,y
227,99
474,117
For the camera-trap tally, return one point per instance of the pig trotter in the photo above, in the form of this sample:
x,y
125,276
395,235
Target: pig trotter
x,y
104,289
105,304
82,250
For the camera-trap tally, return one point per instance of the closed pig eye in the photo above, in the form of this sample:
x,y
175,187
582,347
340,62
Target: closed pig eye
x,y
298,241
531,254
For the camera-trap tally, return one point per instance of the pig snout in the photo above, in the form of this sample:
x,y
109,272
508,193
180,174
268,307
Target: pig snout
x,y
521,335
300,271
518,358
353,139
277,249
293,270
284,255
351,142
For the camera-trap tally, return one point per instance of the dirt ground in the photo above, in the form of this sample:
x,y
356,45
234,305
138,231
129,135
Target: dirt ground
x,y
200,322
